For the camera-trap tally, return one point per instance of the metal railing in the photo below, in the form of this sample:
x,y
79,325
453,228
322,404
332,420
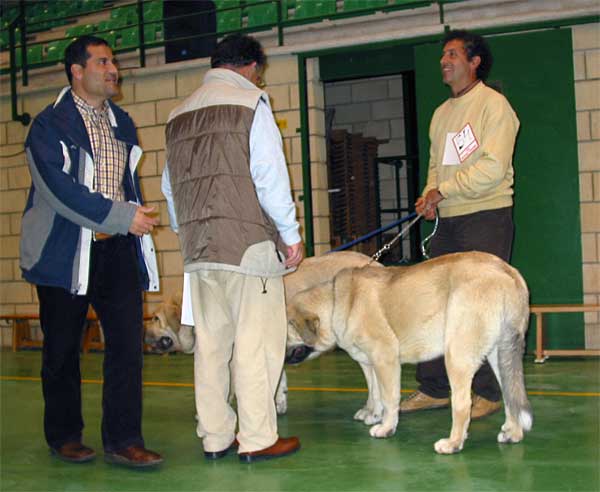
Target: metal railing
x,y
283,14
278,15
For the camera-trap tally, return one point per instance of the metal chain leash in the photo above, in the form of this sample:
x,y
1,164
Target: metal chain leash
x,y
388,246
428,238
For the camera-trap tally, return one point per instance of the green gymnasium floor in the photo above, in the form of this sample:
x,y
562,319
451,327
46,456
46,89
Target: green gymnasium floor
x,y
561,452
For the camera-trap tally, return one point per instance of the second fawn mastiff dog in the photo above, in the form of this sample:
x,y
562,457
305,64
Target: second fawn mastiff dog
x,y
464,306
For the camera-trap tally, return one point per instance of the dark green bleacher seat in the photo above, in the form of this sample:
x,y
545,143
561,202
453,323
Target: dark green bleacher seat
x,y
152,32
61,10
110,37
350,5
228,20
34,55
260,15
303,9
111,24
55,50
127,15
226,4
325,7
130,37
83,6
313,8
75,31
153,11
8,16
4,38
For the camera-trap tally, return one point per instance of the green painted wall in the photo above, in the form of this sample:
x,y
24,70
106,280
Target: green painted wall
x,y
374,62
535,72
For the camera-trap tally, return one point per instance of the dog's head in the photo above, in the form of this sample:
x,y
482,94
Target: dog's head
x,y
309,324
165,333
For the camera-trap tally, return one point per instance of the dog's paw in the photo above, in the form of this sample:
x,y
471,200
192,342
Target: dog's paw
x,y
281,405
446,446
381,431
368,416
510,436
373,417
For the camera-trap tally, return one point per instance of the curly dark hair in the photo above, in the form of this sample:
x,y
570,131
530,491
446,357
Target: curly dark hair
x,y
475,45
77,53
238,50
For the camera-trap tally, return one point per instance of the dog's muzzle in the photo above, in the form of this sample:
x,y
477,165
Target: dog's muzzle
x,y
297,354
164,343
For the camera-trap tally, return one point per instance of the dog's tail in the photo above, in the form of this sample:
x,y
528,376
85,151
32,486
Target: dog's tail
x,y
511,347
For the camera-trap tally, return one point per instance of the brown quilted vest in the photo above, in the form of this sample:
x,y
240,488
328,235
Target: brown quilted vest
x,y
217,208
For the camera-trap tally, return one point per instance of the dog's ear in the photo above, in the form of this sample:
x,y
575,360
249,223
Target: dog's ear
x,y
176,300
173,318
307,327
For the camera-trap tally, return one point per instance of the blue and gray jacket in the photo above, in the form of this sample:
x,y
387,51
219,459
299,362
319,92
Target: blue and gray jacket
x,y
63,209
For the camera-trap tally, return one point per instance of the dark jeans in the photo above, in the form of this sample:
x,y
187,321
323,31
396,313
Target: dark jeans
x,y
115,292
490,231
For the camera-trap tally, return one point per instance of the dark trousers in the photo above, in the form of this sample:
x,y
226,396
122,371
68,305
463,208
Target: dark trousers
x,y
490,231
115,293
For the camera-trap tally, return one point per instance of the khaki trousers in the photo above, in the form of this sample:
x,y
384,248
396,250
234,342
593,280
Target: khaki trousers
x,y
241,320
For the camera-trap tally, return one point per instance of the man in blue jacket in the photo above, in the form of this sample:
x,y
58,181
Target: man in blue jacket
x,y
85,239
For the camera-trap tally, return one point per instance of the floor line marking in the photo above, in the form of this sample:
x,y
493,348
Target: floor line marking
x,y
167,384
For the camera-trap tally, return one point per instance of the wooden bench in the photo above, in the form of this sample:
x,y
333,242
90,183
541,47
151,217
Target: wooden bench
x,y
22,338
21,330
541,354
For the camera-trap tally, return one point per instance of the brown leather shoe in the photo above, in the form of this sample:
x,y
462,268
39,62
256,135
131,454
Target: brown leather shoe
x,y
481,407
420,401
134,456
215,455
74,452
282,447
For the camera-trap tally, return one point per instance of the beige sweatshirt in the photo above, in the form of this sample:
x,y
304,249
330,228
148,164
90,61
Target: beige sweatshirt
x,y
484,178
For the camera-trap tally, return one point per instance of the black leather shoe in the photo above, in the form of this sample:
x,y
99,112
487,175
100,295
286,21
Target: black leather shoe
x,y
217,455
282,447
74,452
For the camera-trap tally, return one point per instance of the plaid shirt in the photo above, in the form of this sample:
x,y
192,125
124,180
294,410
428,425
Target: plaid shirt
x,y
110,154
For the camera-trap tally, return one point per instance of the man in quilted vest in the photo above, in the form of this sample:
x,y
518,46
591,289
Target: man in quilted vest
x,y
229,200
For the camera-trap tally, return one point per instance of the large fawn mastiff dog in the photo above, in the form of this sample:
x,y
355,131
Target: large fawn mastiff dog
x,y
465,306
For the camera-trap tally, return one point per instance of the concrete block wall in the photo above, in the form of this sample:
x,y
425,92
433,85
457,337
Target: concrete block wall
x,y
148,95
586,59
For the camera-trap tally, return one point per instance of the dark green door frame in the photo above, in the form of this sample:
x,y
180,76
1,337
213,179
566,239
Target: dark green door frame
x,y
309,241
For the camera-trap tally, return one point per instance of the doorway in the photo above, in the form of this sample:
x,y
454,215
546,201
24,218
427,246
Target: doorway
x,y
373,168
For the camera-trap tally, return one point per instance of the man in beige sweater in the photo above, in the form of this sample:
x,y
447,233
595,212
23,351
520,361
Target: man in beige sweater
x,y
470,183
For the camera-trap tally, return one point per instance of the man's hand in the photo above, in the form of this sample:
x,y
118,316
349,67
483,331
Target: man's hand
x,y
426,205
142,223
294,255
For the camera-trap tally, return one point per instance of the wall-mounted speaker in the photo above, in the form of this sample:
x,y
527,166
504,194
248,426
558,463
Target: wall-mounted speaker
x,y
190,18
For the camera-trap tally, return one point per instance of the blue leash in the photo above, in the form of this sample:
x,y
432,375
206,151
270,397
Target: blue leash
x,y
373,233
413,217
